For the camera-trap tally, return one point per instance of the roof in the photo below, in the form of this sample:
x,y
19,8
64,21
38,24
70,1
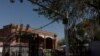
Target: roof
x,y
28,29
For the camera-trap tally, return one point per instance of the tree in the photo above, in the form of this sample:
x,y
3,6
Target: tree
x,y
76,9
71,11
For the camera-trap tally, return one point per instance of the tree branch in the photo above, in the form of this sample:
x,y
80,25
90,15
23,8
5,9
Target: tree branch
x,y
32,1
92,5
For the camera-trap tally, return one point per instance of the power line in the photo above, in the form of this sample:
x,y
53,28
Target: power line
x,y
34,2
46,24
65,20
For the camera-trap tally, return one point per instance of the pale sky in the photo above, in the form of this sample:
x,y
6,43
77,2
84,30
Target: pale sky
x,y
21,13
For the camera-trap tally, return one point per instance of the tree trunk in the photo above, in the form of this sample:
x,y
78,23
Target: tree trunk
x,y
66,41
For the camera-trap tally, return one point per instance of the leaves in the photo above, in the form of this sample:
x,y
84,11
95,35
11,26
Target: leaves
x,y
80,32
77,9
97,35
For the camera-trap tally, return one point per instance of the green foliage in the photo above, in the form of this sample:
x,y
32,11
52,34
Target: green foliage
x,y
62,41
77,8
97,35
80,32
98,19
93,3
55,5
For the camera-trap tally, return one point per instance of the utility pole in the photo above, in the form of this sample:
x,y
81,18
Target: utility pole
x,y
65,21
66,36
66,27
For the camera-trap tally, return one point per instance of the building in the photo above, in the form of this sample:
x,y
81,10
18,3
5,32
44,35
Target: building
x,y
14,38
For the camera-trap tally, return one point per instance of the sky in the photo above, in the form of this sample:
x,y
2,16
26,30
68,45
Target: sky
x,y
22,13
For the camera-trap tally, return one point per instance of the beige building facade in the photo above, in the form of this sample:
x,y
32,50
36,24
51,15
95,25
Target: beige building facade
x,y
15,36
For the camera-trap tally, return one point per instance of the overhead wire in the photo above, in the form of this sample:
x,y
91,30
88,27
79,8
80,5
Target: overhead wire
x,y
47,24
47,9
